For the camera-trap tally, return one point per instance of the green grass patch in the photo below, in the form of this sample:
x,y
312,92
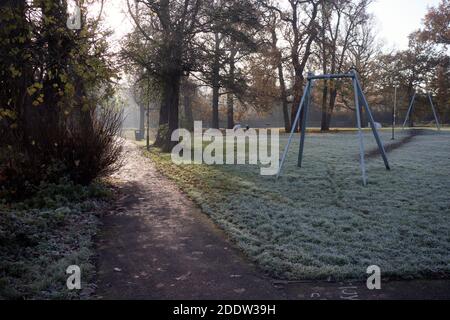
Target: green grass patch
x,y
41,236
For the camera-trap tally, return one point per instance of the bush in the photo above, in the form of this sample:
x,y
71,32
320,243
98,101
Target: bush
x,y
84,151
54,84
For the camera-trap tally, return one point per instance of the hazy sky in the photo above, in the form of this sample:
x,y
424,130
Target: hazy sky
x,y
395,19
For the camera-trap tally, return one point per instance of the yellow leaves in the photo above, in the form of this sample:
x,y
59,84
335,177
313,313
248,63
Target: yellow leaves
x,y
39,100
14,51
69,88
7,114
31,90
63,77
48,20
34,88
21,39
14,72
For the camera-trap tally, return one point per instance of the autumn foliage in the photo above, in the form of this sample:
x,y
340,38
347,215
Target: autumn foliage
x,y
56,116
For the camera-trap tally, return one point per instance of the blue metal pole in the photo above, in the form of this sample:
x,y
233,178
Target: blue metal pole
x,y
409,109
294,125
331,76
394,113
303,125
372,124
360,134
434,112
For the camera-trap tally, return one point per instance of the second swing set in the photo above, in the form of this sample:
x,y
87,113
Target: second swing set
x,y
411,108
360,103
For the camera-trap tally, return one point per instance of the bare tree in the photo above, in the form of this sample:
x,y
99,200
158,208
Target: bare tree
x,y
340,21
301,19
167,32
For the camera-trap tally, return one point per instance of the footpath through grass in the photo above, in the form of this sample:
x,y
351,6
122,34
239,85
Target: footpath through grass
x,y
318,222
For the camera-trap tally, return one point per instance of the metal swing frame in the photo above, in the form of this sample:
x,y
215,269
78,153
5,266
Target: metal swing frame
x,y
360,103
411,108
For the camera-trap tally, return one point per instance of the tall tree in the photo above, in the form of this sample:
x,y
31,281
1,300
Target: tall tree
x,y
301,18
276,54
164,46
340,21
229,43
437,23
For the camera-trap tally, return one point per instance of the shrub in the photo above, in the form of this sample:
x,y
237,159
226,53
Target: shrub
x,y
52,83
81,154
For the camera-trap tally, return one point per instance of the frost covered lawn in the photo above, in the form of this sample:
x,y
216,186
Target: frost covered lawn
x,y
43,235
318,222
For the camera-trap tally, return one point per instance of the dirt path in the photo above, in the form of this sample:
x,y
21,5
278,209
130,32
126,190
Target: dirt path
x,y
156,244
400,142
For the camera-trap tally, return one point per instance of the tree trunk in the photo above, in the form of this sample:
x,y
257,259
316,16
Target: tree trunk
x,y
164,111
163,120
174,101
283,93
141,120
216,83
230,98
283,96
58,46
230,111
188,111
324,123
169,111
215,107
298,93
332,104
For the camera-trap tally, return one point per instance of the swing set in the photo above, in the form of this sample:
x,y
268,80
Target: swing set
x,y
411,108
360,103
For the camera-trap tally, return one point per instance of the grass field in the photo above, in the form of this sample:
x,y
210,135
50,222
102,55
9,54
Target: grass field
x,y
318,222
43,235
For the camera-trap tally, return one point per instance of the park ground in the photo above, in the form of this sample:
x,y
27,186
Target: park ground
x,y
319,222
44,234
162,231
309,235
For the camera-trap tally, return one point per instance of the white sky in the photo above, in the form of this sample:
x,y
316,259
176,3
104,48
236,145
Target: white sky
x,y
395,19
